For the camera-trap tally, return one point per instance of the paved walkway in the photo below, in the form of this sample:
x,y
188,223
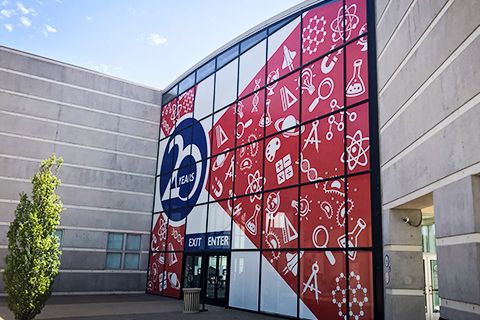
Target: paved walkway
x,y
126,307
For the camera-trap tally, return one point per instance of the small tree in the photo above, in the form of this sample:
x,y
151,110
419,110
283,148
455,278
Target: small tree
x,y
33,248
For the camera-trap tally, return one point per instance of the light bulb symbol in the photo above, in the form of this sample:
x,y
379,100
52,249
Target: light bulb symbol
x,y
307,80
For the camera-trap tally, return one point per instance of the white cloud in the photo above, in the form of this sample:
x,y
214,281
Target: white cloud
x,y
7,13
50,29
156,39
88,18
4,3
105,68
9,27
22,8
25,21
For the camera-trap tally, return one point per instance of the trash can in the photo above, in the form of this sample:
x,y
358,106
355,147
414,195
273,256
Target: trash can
x,y
191,300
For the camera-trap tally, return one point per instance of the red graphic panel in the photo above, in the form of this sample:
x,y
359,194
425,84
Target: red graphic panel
x,y
359,218
220,182
159,232
359,9
283,106
223,131
322,30
247,215
322,148
287,56
356,88
322,285
323,215
358,140
176,235
322,86
169,118
250,118
185,103
361,287
248,157
281,161
286,264
173,274
156,279
280,220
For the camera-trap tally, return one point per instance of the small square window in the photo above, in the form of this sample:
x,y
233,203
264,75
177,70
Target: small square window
x,y
113,261
132,261
115,241
133,241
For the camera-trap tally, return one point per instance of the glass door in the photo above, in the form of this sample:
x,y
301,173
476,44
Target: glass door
x,y
193,272
216,279
431,286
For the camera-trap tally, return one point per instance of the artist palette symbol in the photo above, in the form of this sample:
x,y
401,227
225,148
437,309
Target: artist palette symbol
x,y
272,147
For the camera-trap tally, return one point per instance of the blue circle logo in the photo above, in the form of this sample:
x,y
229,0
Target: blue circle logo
x,y
183,169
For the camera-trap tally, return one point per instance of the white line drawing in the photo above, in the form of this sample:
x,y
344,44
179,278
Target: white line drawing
x,y
313,287
237,209
304,208
229,173
254,146
358,296
173,279
312,136
255,182
363,40
325,82
307,82
287,97
314,34
240,107
221,136
352,238
220,161
350,23
162,281
252,222
335,186
161,236
217,187
315,234
342,213
272,147
173,256
288,231
292,263
256,98
273,202
357,149
327,65
332,120
327,209
177,236
273,243
284,169
272,76
281,221
312,174
288,122
356,86
246,164
241,126
288,56
266,119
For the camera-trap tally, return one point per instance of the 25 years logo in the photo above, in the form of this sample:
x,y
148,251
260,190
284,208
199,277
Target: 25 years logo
x,y
183,169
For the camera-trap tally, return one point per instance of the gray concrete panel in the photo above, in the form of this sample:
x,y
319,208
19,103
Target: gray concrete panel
x,y
396,231
392,16
416,22
453,314
84,239
433,51
457,207
404,307
451,149
82,260
407,270
104,281
458,272
457,84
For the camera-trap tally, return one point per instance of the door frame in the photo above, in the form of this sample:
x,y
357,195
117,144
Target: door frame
x,y
215,301
429,313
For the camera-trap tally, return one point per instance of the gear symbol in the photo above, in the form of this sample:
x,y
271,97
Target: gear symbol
x,y
341,215
273,242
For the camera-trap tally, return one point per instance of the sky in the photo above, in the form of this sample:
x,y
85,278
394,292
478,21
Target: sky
x,y
149,42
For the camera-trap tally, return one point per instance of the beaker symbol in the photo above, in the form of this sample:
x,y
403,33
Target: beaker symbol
x,y
356,86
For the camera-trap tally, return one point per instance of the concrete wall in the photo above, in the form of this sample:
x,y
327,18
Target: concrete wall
x,y
429,112
106,130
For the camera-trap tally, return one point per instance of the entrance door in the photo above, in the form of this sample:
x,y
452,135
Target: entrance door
x,y
216,279
432,300
193,272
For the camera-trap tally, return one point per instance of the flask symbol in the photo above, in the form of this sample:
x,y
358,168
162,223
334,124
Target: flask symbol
x,y
356,86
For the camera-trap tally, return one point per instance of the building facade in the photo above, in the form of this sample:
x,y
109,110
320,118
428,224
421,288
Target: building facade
x,y
256,175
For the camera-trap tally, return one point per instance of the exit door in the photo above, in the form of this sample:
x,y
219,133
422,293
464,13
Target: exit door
x,y
432,299
216,279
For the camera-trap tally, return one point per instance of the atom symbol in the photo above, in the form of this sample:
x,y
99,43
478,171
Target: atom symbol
x,y
351,22
357,149
255,182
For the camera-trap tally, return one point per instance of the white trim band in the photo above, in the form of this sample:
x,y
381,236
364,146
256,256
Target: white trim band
x,y
397,247
405,292
460,239
461,306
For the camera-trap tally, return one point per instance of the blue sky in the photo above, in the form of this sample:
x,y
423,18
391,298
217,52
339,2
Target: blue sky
x,y
144,41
